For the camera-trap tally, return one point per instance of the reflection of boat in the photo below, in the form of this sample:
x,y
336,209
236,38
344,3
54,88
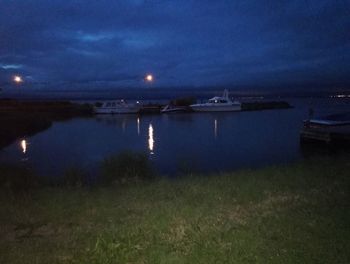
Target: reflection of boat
x,y
116,107
174,109
218,104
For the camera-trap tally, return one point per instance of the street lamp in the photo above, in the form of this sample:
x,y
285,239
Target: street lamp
x,y
149,78
17,79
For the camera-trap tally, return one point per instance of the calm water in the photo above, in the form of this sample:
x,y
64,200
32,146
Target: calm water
x,y
175,143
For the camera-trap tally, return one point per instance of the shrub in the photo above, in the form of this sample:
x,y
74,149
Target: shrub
x,y
17,178
73,177
185,101
126,167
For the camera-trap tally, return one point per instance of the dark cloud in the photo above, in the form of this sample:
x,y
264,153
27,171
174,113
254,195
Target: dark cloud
x,y
243,42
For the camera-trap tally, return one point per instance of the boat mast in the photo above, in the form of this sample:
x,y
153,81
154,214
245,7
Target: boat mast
x,y
225,95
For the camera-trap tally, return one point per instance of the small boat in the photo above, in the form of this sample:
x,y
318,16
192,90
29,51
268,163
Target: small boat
x,y
218,104
331,129
117,107
341,119
174,109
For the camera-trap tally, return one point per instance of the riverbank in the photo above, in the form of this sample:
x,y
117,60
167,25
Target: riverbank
x,y
287,214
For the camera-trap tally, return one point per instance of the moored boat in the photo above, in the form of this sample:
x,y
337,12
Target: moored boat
x,y
340,119
117,107
218,104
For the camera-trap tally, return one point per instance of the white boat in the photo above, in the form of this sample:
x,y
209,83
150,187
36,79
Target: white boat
x,y
340,119
218,104
117,107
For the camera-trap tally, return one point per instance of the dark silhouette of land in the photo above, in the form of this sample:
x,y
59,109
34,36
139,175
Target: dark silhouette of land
x,y
26,118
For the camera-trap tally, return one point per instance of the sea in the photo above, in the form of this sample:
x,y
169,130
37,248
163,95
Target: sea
x,y
177,144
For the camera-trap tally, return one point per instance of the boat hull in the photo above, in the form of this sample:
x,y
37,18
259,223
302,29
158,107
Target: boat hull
x,y
114,110
216,108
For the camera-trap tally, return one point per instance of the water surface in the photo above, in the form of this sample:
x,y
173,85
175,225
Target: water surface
x,y
175,143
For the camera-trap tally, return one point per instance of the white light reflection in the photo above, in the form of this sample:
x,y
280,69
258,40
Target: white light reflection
x,y
123,125
138,126
150,139
340,96
24,146
215,128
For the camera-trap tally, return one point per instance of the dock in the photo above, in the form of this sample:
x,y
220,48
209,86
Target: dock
x,y
331,135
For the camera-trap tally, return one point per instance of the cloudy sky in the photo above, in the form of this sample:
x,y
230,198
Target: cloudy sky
x,y
279,43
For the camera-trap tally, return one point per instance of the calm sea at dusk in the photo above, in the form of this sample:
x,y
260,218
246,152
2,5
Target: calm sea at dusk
x,y
175,143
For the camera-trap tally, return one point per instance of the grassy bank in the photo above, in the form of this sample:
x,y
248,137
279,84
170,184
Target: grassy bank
x,y
286,214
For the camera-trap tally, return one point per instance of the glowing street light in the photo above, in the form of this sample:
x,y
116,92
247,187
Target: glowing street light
x,y
149,78
17,79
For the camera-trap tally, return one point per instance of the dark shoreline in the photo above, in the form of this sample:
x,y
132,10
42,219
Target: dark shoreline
x,y
15,126
26,118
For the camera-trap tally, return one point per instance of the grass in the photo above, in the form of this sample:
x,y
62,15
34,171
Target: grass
x,y
286,214
17,178
125,167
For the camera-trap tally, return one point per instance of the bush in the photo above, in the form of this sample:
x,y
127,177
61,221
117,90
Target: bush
x,y
17,178
126,167
73,177
186,101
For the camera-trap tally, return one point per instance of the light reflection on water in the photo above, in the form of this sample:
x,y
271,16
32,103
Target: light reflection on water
x,y
24,150
150,139
138,125
24,146
215,128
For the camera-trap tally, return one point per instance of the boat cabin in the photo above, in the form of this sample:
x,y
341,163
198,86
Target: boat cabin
x,y
218,100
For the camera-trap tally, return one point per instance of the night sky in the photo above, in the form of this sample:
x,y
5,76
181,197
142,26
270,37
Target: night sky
x,y
236,43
